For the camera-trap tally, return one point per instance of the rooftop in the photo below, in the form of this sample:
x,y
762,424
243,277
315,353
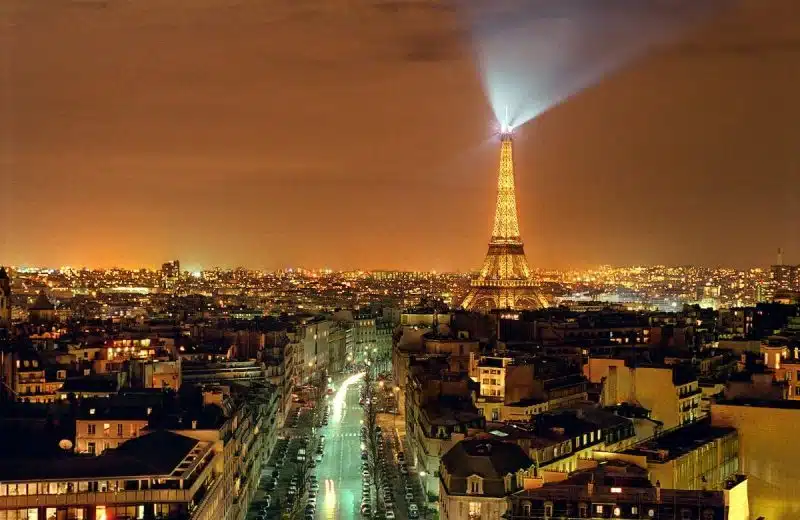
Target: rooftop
x,y
492,460
157,454
680,441
760,403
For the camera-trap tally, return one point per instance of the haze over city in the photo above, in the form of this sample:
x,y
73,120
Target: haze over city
x,y
353,135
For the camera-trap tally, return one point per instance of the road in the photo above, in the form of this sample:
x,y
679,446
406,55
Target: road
x,y
339,473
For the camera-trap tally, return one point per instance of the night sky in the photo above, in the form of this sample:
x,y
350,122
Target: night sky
x,y
353,134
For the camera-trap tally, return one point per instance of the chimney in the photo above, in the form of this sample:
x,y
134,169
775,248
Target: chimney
x,y
194,424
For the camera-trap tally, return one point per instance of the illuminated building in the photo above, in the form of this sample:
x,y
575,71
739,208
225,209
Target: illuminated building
x,y
5,298
517,388
504,281
99,427
767,452
42,311
784,277
32,381
696,456
621,490
477,477
439,412
159,475
170,274
671,393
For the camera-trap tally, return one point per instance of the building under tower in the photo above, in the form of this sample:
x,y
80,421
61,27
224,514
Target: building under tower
x,y
504,281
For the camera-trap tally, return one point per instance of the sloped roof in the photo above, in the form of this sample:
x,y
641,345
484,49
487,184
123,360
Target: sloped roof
x,y
42,303
489,459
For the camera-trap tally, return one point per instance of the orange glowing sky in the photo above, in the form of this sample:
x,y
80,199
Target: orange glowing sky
x,y
348,134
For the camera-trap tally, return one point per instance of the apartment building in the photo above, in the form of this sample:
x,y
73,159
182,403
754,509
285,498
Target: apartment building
x,y
671,392
621,490
158,475
477,477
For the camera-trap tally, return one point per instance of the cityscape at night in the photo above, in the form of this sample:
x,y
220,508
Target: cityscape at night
x,y
544,260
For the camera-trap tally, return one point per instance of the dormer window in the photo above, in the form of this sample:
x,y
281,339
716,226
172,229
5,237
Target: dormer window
x,y
474,485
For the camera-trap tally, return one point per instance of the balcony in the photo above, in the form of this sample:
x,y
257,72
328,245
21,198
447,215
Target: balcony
x,y
96,498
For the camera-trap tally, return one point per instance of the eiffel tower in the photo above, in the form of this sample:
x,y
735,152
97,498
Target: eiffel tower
x,y
504,281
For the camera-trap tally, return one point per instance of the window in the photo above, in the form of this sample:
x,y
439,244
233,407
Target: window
x,y
119,430
474,510
91,429
598,510
474,485
92,448
634,510
106,429
686,514
548,509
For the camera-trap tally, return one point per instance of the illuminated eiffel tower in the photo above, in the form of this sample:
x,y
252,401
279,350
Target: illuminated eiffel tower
x,y
505,279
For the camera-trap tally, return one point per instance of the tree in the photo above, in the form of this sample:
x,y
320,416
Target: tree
x,y
298,509
370,421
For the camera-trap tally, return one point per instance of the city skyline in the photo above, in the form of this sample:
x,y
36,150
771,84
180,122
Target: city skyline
x,y
373,154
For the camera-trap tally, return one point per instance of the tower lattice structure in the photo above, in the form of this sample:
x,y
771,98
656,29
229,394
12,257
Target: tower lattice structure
x,y
504,281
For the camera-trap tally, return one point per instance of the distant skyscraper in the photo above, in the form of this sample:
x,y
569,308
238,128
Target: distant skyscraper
x,y
504,281
784,277
5,298
170,274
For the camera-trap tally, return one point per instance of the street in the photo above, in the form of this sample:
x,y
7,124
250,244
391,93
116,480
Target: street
x,y
339,473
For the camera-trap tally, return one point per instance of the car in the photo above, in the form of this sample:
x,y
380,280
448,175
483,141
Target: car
x,y
365,474
409,496
403,469
267,501
413,513
314,487
412,506
389,514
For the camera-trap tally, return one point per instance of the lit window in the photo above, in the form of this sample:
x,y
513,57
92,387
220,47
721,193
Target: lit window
x,y
599,510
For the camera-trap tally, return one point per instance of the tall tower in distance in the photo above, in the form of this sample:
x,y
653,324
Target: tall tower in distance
x,y
170,275
5,298
504,281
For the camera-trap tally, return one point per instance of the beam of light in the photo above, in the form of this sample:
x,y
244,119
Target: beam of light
x,y
340,396
535,54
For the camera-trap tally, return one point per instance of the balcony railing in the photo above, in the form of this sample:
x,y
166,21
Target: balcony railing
x,y
96,498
